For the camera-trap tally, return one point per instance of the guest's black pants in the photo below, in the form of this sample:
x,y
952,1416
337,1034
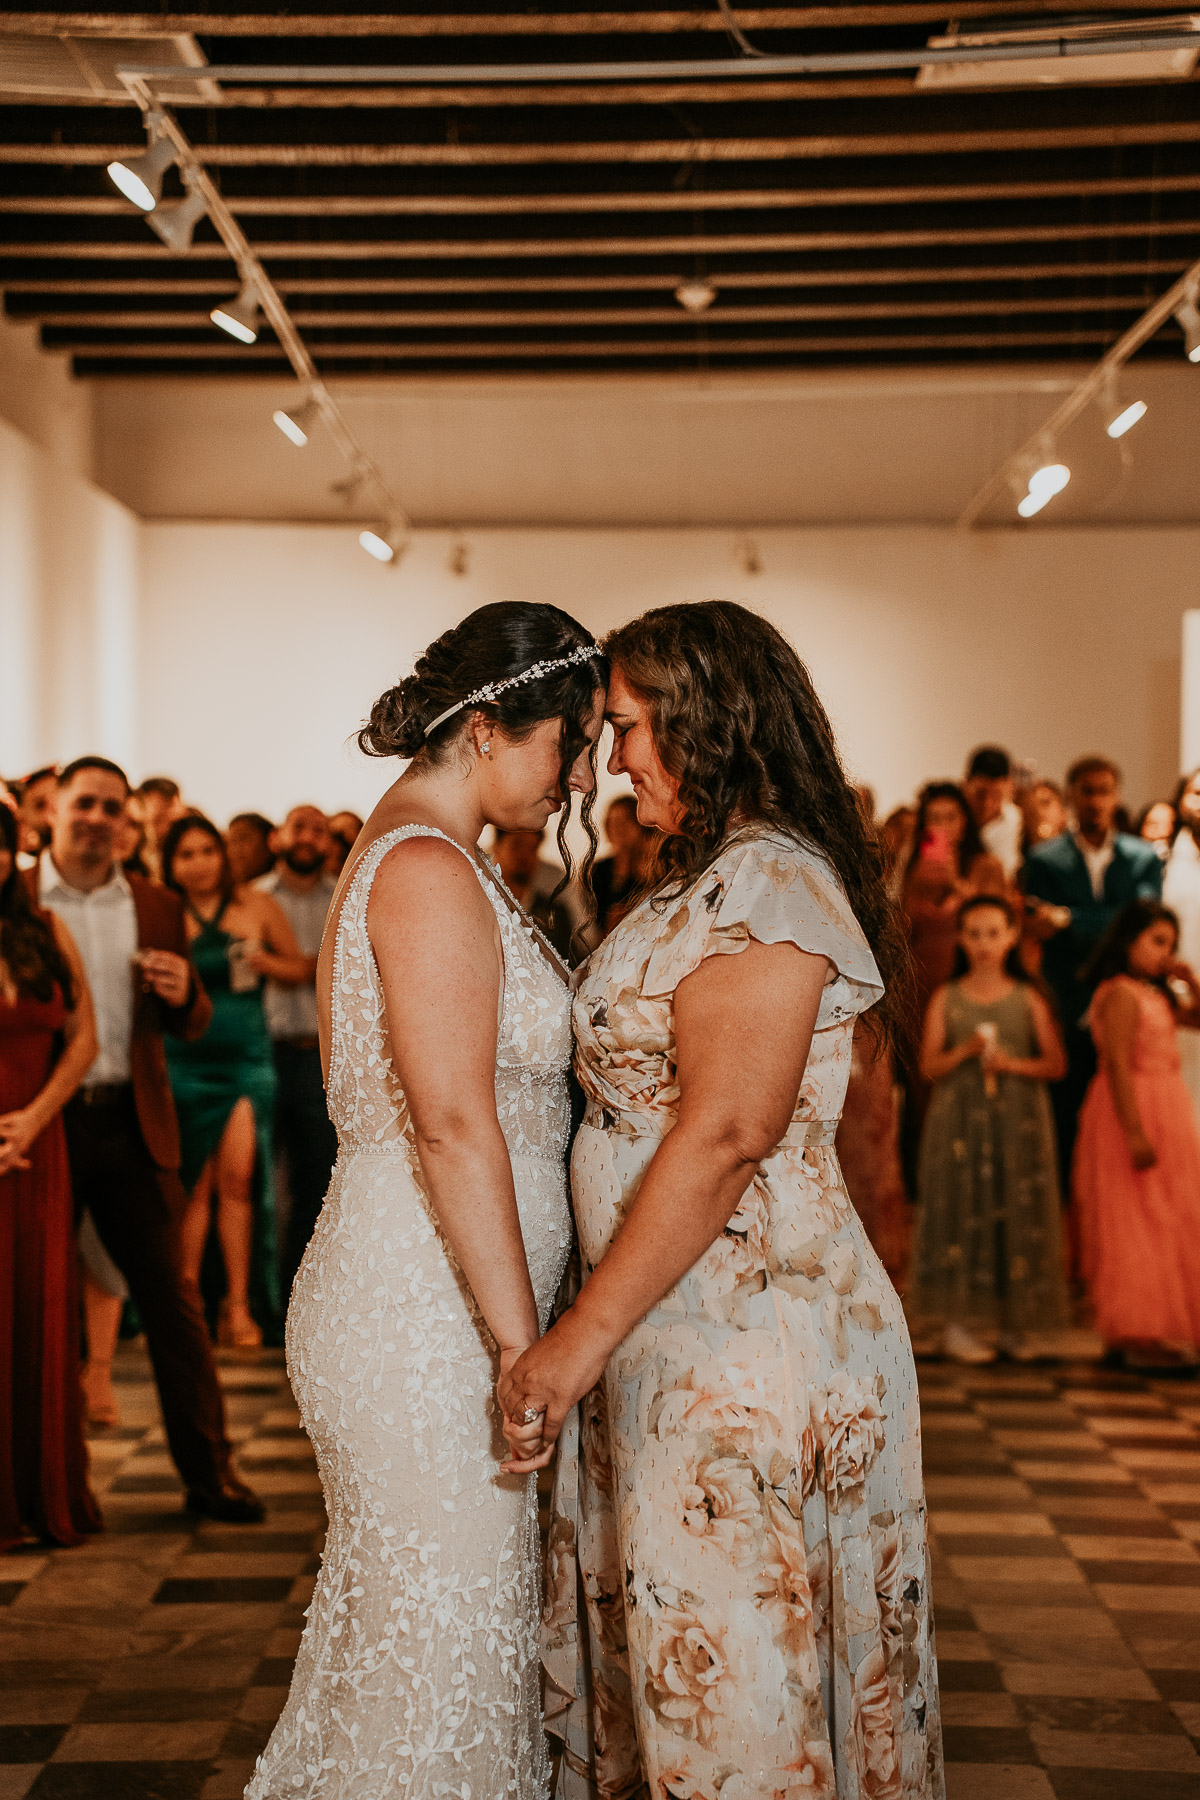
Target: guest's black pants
x,y
305,1135
136,1208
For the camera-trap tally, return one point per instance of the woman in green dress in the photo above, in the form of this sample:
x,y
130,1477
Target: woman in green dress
x,y
988,1252
224,1084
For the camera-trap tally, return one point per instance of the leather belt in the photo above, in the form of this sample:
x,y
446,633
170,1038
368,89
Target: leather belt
x,y
105,1093
801,1134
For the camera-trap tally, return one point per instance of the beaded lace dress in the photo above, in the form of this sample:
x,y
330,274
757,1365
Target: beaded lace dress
x,y
418,1672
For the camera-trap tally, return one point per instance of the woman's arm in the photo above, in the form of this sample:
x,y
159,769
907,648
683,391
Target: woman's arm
x,y
18,1130
281,956
743,1026
436,945
1050,1063
1187,1012
936,1059
1118,1024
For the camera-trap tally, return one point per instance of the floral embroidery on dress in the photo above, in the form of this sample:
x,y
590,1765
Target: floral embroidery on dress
x,y
743,1491
418,1670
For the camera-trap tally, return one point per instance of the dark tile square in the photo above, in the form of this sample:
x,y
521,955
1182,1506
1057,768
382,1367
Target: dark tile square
x,y
952,1618
247,1737
9,1591
121,1781
187,1590
274,1671
126,1706
987,1744
1123,1718
250,1540
146,1484
970,1677
1123,1784
1144,1574
33,1673
1047,1492
1082,1523
1176,1684
29,1743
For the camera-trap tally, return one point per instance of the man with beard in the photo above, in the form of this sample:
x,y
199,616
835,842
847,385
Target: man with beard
x,y
306,1139
122,1132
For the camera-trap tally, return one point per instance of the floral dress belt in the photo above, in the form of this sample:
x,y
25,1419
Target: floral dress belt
x,y
801,1134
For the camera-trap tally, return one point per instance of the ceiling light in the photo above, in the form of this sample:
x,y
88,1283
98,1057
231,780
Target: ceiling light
x,y
297,425
384,542
1044,482
176,220
140,177
695,296
1188,319
1125,418
239,317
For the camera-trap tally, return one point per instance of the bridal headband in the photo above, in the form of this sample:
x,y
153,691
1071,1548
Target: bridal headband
x,y
536,670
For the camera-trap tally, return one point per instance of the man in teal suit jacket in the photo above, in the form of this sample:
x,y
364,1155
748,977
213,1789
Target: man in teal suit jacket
x,y
1078,882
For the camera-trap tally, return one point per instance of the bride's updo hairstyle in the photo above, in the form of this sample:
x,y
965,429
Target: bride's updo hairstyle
x,y
490,645
736,720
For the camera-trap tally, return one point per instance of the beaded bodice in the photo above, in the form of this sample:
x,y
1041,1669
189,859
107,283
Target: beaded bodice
x,y
533,1049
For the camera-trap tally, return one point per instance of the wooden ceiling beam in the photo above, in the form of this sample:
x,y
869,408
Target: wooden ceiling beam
x,y
352,206
732,243
632,283
281,24
645,150
284,99
542,318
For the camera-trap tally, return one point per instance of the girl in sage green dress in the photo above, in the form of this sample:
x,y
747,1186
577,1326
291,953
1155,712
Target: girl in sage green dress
x,y
988,1252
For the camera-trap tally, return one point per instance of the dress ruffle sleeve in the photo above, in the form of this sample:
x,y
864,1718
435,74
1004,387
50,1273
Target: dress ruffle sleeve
x,y
774,892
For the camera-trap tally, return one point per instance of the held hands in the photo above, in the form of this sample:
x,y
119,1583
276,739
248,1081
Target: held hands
x,y
167,975
547,1378
17,1132
1142,1151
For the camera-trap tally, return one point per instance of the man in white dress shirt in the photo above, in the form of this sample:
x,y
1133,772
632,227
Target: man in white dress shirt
x,y
122,1134
988,785
303,1129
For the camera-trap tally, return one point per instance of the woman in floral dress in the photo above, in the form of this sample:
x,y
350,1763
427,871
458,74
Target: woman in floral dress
x,y
742,1496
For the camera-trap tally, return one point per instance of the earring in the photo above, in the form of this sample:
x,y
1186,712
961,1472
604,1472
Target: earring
x,y
486,749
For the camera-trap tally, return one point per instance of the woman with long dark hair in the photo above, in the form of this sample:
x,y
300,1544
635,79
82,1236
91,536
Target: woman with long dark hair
x,y
751,1521
1136,1172
946,866
224,1082
445,1022
47,1045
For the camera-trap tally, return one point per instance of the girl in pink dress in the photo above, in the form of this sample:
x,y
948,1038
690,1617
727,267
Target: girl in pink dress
x,y
1137,1156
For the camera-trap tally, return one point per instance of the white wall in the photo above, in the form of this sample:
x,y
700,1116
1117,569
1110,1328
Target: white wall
x,y
69,609
262,647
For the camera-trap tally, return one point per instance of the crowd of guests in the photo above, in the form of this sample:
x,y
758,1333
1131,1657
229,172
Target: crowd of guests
x,y
165,1147
1048,1111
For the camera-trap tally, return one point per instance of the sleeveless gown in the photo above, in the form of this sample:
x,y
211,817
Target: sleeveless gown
x,y
232,1061
418,1671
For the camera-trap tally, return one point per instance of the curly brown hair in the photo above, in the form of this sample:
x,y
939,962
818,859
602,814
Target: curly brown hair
x,y
737,721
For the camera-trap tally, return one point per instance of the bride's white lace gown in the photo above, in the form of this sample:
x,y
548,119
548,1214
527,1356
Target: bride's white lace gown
x,y
418,1673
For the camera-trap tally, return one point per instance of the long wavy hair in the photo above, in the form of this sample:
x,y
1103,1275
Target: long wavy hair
x,y
490,644
970,844
28,946
736,720
1111,955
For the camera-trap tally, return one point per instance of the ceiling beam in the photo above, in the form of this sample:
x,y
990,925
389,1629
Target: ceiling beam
x,y
538,318
644,150
659,93
551,249
217,283
600,349
352,206
527,24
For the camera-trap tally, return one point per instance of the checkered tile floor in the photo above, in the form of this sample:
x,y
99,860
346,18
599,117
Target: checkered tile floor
x,y
151,1664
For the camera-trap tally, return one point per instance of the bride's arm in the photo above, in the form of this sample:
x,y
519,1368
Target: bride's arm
x,y
743,1026
436,945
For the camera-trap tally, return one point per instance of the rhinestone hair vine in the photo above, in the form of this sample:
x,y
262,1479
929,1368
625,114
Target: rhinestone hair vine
x,y
534,672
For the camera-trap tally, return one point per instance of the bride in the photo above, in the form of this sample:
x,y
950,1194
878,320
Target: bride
x,y
445,1023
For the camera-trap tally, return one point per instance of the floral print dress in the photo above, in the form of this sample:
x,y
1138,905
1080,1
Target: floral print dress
x,y
738,1596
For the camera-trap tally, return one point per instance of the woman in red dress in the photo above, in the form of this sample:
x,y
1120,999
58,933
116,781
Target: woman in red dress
x,y
45,1007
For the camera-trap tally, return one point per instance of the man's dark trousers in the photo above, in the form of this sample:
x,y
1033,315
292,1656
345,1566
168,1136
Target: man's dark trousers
x,y
136,1208
305,1134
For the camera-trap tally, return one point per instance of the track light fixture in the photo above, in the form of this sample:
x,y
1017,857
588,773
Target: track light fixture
x,y
695,296
140,177
1187,317
174,221
384,541
1048,479
239,317
1119,415
297,425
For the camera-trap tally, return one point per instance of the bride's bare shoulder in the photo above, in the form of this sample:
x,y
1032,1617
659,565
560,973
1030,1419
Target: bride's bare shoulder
x,y
424,879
